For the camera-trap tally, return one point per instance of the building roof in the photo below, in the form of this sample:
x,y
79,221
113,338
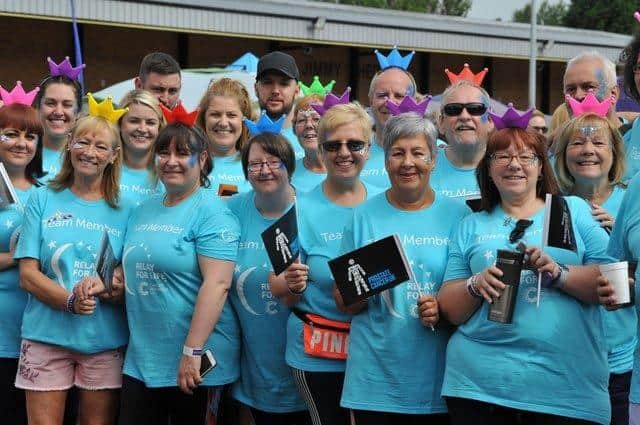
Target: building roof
x,y
329,23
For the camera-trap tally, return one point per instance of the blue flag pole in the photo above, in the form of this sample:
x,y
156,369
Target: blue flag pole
x,y
76,43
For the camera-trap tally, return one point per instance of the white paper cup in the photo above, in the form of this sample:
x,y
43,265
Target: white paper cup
x,y
618,275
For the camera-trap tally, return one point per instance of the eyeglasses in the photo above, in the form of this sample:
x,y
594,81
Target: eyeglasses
x,y
352,145
272,164
541,130
517,233
474,108
302,119
525,159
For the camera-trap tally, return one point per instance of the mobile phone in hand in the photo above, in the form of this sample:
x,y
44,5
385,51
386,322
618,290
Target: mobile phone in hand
x,y
207,362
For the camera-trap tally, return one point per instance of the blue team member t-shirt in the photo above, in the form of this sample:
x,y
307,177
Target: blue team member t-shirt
x,y
552,358
51,162
13,299
163,279
374,171
625,245
63,232
293,140
452,181
395,363
228,170
632,150
265,383
303,179
320,241
136,186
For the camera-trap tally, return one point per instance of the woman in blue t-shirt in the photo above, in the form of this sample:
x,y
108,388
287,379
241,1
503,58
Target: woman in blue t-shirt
x,y
590,163
310,169
21,155
139,129
70,339
549,364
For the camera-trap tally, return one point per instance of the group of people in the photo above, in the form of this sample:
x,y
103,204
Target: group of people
x,y
183,197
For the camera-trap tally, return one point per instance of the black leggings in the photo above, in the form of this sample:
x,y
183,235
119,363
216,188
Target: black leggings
x,y
268,418
619,386
140,405
369,417
322,391
13,410
461,409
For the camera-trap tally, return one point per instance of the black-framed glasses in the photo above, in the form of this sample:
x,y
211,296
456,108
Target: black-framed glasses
x,y
474,108
518,232
352,145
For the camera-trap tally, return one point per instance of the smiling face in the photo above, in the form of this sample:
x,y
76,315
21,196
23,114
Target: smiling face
x,y
276,93
515,171
178,168
17,147
589,155
91,152
266,172
58,110
393,84
306,129
139,128
351,155
409,164
223,124
465,128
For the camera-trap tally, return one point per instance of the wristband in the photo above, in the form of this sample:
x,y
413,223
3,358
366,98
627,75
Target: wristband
x,y
297,293
191,352
559,281
71,299
471,286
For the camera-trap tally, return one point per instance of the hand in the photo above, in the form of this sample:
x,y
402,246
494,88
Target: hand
x,y
351,309
605,219
88,287
85,307
189,374
117,286
606,296
428,310
296,276
488,283
541,262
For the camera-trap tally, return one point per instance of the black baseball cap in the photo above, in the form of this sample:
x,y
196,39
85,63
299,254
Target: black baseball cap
x,y
278,61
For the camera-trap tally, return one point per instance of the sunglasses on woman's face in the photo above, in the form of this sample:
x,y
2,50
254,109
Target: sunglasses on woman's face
x,y
474,108
517,233
352,145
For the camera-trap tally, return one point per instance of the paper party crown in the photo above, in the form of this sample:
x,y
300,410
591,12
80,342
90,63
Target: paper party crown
x,y
179,115
394,60
589,104
105,109
466,74
408,104
331,100
316,87
64,68
17,95
636,15
511,118
264,125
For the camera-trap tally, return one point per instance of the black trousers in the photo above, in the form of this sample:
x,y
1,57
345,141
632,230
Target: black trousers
x,y
322,391
13,409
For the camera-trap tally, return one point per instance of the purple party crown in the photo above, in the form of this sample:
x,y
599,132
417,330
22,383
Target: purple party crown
x,y
408,104
331,100
511,118
64,68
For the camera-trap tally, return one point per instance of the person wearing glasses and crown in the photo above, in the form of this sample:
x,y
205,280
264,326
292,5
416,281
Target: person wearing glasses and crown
x,y
549,364
70,337
465,124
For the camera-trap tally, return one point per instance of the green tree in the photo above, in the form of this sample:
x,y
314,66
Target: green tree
x,y
610,15
440,7
548,14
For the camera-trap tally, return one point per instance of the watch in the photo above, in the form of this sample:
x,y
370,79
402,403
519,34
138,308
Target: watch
x,y
559,281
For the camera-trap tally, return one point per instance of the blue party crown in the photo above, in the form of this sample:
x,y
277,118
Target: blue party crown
x,y
394,60
264,125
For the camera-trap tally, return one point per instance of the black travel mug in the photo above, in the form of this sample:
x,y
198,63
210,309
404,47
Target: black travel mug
x,y
510,263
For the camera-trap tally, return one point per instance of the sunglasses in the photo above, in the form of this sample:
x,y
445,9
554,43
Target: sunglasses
x,y
352,145
474,108
517,233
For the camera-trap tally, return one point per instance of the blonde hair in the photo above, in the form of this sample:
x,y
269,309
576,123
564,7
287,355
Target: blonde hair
x,y
340,115
144,98
110,183
568,133
234,89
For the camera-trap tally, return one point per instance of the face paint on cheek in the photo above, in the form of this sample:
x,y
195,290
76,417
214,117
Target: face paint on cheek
x,y
410,91
588,130
193,160
3,138
484,118
601,85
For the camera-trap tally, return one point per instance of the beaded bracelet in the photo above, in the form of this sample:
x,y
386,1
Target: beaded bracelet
x,y
471,286
71,300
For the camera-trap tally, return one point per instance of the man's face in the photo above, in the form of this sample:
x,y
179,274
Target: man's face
x,y
393,84
276,93
586,75
467,127
166,88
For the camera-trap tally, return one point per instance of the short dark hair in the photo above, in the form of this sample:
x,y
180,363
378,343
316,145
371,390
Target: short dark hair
x,y
59,79
630,57
187,138
273,144
25,118
159,63
502,139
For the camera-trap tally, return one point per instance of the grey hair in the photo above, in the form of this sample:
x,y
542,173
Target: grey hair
x,y
484,96
408,125
372,84
610,79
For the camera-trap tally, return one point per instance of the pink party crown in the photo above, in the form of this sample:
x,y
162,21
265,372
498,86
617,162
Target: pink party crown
x,y
394,60
467,74
64,68
589,104
511,118
408,104
17,95
331,100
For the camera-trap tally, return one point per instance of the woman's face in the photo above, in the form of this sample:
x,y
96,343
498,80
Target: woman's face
x,y
306,129
58,109
178,168
92,152
515,171
223,122
267,173
345,151
409,163
589,154
17,147
139,128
